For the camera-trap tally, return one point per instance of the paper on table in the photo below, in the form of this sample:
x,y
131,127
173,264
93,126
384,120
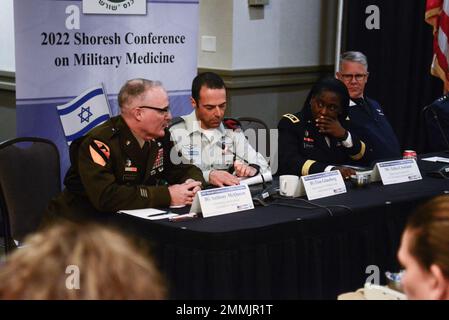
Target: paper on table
x,y
257,179
149,213
436,159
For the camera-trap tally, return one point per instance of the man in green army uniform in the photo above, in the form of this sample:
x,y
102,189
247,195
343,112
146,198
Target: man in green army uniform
x,y
125,162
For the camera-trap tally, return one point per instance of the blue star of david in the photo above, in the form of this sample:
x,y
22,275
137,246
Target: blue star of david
x,y
85,114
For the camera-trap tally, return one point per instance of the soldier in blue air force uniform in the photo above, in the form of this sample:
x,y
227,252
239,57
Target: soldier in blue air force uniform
x,y
318,138
367,117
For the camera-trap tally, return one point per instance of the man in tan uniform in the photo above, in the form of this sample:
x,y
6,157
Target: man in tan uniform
x,y
124,163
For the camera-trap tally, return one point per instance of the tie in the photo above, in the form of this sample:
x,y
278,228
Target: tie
x,y
144,155
145,147
361,102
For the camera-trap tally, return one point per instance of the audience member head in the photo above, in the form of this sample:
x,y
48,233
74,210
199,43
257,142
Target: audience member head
x,y
79,261
354,72
144,106
328,97
424,251
209,99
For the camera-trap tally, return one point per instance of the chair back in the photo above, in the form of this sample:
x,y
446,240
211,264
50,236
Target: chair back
x,y
261,134
29,179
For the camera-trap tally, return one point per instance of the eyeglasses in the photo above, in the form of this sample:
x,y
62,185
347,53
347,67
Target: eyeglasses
x,y
330,107
358,77
160,110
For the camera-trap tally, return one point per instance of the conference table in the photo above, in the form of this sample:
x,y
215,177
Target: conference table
x,y
290,249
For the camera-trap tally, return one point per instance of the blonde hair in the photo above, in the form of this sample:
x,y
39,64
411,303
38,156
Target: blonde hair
x,y
429,226
110,266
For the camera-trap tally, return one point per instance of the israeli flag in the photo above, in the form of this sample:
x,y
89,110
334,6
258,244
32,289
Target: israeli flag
x,y
83,113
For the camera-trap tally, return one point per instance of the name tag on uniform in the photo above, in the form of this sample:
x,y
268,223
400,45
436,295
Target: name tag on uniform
x,y
129,177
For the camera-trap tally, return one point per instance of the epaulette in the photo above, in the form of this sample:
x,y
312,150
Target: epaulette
x,y
291,117
175,121
231,123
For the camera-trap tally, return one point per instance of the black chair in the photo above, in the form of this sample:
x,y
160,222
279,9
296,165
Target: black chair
x,y
29,178
261,133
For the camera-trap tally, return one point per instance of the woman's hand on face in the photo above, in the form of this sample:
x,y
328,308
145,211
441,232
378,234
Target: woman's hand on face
x,y
330,126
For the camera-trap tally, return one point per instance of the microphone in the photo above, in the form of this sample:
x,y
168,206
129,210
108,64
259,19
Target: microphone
x,y
222,145
432,106
443,98
267,192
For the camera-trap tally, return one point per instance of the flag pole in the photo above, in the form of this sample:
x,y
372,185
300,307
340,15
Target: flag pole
x,y
339,34
107,99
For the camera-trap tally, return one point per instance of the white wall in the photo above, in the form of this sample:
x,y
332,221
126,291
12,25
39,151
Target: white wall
x,y
216,20
7,61
285,33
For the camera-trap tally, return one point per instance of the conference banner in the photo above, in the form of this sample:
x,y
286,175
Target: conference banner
x,y
61,52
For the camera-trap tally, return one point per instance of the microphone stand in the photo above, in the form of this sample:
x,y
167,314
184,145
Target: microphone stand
x,y
264,184
437,120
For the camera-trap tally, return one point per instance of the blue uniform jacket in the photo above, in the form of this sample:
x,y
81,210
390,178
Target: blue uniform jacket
x,y
303,150
375,130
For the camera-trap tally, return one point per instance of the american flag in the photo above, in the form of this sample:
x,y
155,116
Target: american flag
x,y
437,15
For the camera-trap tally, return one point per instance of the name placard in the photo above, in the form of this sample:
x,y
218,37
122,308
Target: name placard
x,y
397,171
214,202
325,184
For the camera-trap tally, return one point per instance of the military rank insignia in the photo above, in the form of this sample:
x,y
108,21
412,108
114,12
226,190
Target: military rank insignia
x,y
291,117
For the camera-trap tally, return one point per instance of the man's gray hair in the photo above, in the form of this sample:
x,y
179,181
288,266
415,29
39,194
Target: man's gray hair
x,y
354,56
134,88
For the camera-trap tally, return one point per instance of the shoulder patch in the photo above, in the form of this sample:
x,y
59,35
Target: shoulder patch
x,y
291,117
230,123
99,152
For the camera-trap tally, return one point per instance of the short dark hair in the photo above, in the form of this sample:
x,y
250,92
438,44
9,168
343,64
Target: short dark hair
x,y
210,80
333,85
